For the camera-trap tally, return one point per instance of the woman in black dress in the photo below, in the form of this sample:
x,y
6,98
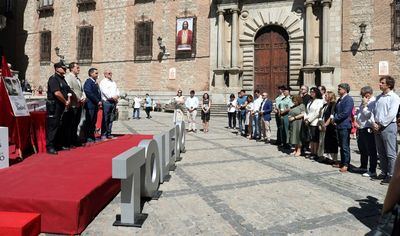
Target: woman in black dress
x,y
205,111
331,140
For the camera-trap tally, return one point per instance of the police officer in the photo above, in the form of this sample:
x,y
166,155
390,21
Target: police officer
x,y
58,100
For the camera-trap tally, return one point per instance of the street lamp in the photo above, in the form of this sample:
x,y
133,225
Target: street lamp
x,y
362,28
162,48
57,50
3,22
356,45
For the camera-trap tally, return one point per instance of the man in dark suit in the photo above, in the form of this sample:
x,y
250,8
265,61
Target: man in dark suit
x,y
93,103
265,110
342,120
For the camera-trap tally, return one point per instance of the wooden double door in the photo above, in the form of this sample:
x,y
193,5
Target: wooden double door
x,y
271,60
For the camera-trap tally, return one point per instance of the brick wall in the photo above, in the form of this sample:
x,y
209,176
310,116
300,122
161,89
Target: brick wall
x,y
113,45
360,68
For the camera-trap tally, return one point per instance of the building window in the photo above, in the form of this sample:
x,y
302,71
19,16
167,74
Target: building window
x,y
45,3
45,46
143,40
86,5
396,23
85,43
45,7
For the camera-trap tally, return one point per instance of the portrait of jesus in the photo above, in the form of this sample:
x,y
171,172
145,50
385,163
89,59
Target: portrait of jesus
x,y
184,36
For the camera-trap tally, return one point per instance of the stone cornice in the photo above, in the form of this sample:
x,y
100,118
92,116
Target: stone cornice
x,y
309,2
326,2
326,68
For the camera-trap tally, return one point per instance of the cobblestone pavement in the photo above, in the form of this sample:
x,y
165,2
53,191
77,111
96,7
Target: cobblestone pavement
x,y
229,185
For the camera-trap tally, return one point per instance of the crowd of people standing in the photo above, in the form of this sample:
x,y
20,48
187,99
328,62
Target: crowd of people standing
x,y
317,124
72,107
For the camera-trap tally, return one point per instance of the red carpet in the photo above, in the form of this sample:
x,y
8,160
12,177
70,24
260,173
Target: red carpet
x,y
17,224
68,190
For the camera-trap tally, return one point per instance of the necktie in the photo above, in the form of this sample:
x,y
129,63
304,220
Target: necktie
x,y
262,105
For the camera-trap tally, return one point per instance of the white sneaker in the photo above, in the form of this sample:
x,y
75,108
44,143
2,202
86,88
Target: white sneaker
x,y
369,174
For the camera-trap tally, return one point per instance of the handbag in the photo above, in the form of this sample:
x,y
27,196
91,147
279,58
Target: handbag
x,y
389,223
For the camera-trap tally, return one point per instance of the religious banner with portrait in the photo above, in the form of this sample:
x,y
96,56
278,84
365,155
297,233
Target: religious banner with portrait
x,y
14,91
185,34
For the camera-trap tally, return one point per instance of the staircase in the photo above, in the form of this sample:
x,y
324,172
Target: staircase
x,y
219,110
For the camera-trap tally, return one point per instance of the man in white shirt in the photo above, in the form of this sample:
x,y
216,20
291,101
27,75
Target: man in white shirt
x,y
192,103
256,111
136,107
366,140
109,98
385,128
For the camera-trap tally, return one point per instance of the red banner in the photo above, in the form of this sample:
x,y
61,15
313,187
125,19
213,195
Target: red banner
x,y
7,117
18,128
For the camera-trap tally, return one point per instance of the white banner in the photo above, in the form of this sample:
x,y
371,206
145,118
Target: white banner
x,y
4,155
16,96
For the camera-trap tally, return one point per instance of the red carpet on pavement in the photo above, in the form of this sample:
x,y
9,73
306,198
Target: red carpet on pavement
x,y
69,189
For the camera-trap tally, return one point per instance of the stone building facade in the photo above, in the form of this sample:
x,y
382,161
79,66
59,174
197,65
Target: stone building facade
x,y
245,44
362,52
113,23
263,44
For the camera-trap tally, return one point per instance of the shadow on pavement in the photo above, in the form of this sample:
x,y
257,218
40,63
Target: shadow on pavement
x,y
369,211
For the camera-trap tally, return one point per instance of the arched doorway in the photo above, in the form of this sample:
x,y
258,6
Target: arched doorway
x,y
271,59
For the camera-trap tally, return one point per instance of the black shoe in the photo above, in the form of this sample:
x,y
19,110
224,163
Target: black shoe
x,y
52,151
380,177
386,181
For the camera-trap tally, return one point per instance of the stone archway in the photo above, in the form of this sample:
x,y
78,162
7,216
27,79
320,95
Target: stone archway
x,y
284,18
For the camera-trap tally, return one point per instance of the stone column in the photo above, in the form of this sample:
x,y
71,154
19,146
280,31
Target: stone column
x,y
325,31
235,32
221,23
309,76
309,37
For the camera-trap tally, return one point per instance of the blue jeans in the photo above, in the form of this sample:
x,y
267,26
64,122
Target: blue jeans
x,y
344,144
136,113
242,120
256,126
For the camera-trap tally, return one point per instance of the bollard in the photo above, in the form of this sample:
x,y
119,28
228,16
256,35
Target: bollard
x,y
127,168
151,170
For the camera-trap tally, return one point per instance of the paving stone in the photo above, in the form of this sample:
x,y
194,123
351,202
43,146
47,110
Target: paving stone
x,y
229,185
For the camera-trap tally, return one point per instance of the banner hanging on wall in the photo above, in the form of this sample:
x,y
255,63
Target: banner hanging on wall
x,y
17,100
